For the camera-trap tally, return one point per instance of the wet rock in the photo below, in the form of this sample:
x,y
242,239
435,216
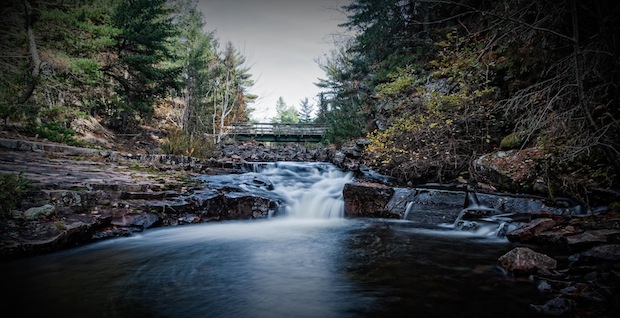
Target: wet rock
x,y
604,253
522,260
555,307
529,230
142,220
589,238
364,199
240,206
512,169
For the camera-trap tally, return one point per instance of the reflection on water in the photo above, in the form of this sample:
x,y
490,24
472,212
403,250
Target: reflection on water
x,y
274,268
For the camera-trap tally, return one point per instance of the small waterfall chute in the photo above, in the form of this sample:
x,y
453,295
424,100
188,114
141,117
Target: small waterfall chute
x,y
481,219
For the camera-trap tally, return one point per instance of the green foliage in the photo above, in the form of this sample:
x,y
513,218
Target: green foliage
x,y
285,113
440,94
117,60
181,143
56,132
305,112
143,46
402,81
13,188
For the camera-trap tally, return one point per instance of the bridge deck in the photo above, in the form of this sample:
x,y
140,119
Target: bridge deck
x,y
283,132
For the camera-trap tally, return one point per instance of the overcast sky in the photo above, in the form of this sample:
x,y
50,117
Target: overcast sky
x,y
281,39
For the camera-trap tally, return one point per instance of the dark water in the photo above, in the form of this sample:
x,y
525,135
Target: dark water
x,y
274,268
310,263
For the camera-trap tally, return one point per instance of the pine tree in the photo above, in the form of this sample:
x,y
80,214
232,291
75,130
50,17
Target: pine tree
x,y
143,48
305,113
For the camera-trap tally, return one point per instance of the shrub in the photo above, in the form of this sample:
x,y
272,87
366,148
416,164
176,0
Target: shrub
x,y
181,143
13,188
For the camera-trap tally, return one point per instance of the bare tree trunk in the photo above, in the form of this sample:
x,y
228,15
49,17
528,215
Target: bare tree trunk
x,y
34,55
224,109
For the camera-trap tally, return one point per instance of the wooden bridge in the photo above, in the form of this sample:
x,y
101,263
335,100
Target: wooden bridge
x,y
278,132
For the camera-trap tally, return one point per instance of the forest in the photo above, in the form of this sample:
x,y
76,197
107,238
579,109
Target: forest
x,y
70,65
436,84
431,84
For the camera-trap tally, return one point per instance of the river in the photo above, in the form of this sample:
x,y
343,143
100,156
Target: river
x,y
308,261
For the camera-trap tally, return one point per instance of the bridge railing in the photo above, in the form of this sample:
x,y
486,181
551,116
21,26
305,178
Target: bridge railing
x,y
276,129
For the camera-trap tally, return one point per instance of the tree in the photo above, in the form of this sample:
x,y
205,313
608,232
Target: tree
x,y
345,94
285,113
305,112
142,49
230,96
323,109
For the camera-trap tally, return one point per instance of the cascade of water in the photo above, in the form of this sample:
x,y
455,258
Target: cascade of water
x,y
309,190
482,219
408,210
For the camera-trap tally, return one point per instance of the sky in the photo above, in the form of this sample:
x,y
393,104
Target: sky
x,y
281,40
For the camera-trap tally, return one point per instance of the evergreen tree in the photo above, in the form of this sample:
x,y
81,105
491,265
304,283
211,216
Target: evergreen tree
x,y
285,113
143,48
323,109
305,112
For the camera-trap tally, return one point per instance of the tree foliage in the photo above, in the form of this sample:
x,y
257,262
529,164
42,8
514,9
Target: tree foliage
x,y
117,60
438,83
285,113
305,111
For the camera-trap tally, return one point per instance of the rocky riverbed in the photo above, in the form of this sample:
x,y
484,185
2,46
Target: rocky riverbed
x,y
571,255
79,195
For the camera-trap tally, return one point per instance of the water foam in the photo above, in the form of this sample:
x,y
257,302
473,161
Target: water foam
x,y
309,190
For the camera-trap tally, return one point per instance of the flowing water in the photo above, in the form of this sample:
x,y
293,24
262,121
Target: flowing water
x,y
308,261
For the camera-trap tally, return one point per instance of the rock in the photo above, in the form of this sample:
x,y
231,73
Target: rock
x,y
240,206
604,252
592,237
522,260
511,169
141,220
365,199
38,212
555,307
529,230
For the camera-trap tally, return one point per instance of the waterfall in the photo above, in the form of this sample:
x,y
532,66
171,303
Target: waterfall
x,y
309,190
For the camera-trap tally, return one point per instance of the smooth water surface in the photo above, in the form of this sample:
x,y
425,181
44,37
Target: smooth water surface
x,y
274,268
311,262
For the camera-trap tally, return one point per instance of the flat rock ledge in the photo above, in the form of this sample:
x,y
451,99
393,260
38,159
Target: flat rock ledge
x,y
79,195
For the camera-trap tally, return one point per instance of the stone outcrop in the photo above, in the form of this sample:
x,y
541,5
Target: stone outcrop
x,y
368,200
513,170
79,195
433,206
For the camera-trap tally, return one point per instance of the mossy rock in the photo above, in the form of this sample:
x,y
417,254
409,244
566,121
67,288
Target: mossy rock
x,y
614,206
512,141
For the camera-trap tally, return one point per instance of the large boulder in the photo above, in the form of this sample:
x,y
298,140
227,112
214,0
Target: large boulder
x,y
365,199
513,170
522,260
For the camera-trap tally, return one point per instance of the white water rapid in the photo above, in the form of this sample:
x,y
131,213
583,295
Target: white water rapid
x,y
309,190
